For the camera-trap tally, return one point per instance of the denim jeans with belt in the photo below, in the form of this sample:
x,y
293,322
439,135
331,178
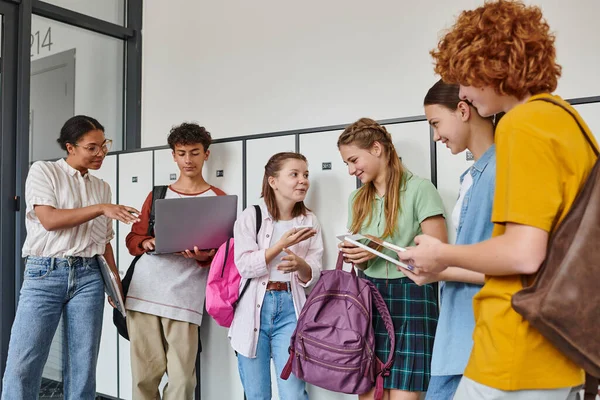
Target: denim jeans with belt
x,y
72,287
277,323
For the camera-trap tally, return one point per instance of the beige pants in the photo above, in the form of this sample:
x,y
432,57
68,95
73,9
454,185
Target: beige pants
x,y
470,390
160,345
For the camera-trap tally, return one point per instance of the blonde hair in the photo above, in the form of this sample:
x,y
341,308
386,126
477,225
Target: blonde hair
x,y
363,134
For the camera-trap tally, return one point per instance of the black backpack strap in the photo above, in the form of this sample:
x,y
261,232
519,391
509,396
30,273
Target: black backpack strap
x,y
258,218
158,193
258,225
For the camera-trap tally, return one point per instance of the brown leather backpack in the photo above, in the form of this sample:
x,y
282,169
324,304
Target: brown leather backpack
x,y
563,303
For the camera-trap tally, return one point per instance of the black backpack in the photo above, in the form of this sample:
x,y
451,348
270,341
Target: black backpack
x,y
158,193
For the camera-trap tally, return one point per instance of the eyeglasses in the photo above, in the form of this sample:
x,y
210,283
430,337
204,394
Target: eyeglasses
x,y
95,149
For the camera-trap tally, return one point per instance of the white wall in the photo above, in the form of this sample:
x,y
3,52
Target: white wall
x,y
251,67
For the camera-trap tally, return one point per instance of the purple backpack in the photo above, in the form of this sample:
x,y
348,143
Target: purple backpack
x,y
334,341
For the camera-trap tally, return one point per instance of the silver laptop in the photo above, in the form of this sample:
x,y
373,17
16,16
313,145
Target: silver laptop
x,y
205,222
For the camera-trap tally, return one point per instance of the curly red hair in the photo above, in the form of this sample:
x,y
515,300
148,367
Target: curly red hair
x,y
505,45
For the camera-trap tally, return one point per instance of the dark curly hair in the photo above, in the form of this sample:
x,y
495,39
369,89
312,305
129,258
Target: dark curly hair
x,y
189,133
505,45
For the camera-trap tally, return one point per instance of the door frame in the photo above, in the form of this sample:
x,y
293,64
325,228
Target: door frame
x,y
9,117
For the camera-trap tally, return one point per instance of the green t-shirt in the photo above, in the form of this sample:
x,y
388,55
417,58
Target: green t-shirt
x,y
419,200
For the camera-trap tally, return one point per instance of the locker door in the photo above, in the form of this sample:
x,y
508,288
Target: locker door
x,y
135,183
106,372
412,145
330,187
165,169
223,169
258,152
591,115
449,169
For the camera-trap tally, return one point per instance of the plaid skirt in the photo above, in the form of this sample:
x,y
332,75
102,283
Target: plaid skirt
x,y
414,311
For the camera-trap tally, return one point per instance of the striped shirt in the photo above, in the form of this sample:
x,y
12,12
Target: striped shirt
x,y
61,186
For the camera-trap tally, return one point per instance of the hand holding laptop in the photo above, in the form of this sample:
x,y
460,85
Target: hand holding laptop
x,y
148,244
204,257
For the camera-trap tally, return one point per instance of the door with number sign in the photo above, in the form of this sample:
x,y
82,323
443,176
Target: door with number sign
x,y
41,40
52,103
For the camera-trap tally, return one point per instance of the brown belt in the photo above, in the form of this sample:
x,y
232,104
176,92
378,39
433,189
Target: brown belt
x,y
278,286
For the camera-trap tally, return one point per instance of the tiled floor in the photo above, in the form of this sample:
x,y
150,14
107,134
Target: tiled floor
x,y
52,390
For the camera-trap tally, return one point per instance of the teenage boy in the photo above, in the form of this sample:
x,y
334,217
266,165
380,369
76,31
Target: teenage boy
x,y
165,300
503,56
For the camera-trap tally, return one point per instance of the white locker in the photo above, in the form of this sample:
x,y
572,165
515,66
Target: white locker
x,y
591,115
449,169
106,372
412,145
328,199
329,188
165,168
135,183
218,363
258,152
224,168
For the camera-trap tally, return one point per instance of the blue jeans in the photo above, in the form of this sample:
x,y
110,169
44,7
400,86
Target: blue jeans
x,y
442,387
52,287
277,323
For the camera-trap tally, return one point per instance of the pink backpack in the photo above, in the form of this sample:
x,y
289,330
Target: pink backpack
x,y
333,346
223,284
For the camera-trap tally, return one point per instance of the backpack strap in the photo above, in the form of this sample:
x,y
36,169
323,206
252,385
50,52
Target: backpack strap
x,y
258,225
389,326
591,387
585,134
258,218
158,193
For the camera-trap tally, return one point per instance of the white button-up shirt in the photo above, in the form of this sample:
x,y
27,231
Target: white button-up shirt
x,y
250,260
61,186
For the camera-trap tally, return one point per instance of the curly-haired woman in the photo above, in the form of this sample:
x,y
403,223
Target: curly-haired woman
x,y
503,56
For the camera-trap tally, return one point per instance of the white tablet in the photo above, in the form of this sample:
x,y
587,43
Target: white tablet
x,y
371,246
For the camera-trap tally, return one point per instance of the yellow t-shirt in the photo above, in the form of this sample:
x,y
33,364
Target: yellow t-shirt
x,y
543,161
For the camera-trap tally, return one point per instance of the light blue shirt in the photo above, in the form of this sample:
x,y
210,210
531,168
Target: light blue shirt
x,y
454,335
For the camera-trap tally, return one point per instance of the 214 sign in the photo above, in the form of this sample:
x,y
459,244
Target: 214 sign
x,y
41,41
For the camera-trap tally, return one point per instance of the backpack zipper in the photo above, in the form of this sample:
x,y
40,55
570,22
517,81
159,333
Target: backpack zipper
x,y
319,344
306,358
353,298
